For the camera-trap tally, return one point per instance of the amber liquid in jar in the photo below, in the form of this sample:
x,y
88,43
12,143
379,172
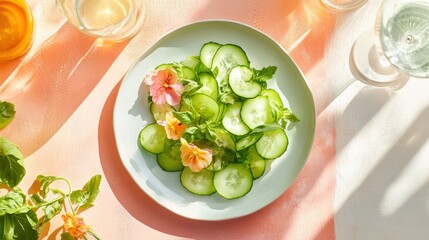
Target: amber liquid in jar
x,y
16,28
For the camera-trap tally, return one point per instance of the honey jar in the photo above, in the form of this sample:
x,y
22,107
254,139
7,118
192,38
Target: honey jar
x,y
16,29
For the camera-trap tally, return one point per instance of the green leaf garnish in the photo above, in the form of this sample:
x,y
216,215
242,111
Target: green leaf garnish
x,y
265,128
185,117
265,73
7,113
247,141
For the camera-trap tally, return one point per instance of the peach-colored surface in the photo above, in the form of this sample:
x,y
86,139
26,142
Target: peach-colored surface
x,y
64,90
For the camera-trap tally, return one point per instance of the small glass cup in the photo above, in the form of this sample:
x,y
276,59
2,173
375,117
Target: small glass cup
x,y
16,29
344,5
114,20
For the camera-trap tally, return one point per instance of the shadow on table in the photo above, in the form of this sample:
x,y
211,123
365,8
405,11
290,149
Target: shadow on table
x,y
382,207
50,85
370,100
289,207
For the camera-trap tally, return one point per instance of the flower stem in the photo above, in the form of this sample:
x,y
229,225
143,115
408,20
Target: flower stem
x,y
47,203
93,234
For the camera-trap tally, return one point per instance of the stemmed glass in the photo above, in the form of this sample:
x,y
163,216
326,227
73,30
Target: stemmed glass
x,y
398,49
344,5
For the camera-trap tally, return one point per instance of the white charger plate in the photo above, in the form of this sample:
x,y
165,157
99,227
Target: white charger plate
x,y
131,114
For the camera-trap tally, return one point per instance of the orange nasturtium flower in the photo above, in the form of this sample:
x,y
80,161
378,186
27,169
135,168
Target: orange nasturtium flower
x,y
75,225
194,157
164,86
173,127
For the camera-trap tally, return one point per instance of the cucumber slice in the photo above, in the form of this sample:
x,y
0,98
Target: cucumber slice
x,y
184,105
273,97
152,138
232,121
227,57
164,66
182,72
159,110
205,106
272,144
274,100
221,113
170,160
208,85
186,73
191,62
247,141
256,112
256,162
223,139
234,181
207,52
200,183
242,83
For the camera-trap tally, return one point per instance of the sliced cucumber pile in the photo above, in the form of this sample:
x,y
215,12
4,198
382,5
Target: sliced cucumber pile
x,y
226,108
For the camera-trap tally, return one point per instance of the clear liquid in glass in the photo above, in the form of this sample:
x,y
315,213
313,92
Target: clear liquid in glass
x,y
113,20
405,38
96,14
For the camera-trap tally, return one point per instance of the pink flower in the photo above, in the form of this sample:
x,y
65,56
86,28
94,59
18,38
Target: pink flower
x,y
194,157
164,86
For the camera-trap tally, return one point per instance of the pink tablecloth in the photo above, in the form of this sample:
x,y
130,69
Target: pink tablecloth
x,y
64,90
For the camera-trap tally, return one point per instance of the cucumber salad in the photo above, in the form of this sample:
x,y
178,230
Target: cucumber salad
x,y
215,120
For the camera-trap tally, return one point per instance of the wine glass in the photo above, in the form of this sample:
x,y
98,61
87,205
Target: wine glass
x,y
344,5
398,49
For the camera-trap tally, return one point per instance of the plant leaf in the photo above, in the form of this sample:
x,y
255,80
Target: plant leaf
x,y
52,210
265,73
287,114
211,135
46,181
88,194
247,141
66,236
13,202
184,117
11,163
19,226
36,199
266,128
7,113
